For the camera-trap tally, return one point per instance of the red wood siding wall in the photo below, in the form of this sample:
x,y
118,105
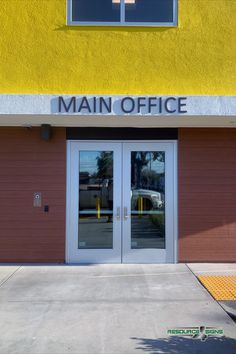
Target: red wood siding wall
x,y
207,195
27,165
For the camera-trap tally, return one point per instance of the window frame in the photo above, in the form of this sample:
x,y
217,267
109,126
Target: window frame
x,y
122,22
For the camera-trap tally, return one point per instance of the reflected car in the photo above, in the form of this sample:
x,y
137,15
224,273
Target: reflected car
x,y
151,199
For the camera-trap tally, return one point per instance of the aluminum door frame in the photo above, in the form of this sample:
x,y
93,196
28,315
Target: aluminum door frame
x,y
150,255
73,253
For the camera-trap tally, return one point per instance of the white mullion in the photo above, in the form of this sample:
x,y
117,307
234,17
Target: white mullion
x,y
175,13
122,11
69,11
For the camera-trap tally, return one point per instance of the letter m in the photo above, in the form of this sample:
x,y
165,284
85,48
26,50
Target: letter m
x,y
62,106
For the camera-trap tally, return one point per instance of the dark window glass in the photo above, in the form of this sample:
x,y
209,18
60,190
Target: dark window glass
x,y
95,11
149,11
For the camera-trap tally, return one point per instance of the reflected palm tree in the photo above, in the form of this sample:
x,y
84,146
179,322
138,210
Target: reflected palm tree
x,y
105,164
141,159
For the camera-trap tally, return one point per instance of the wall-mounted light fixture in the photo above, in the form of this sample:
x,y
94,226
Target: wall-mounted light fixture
x,y
46,132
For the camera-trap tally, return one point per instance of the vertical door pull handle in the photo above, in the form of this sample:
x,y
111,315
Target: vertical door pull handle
x,y
118,213
126,213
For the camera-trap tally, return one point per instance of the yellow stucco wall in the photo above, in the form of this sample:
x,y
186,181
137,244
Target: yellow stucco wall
x,y
40,54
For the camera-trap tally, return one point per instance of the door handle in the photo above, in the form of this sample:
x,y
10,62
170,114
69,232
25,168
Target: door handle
x,y
118,213
126,213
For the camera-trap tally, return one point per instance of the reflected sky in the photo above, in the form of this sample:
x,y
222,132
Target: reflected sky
x,y
153,164
88,162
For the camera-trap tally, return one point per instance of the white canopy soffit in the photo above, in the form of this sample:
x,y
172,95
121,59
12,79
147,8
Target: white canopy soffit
x,y
117,111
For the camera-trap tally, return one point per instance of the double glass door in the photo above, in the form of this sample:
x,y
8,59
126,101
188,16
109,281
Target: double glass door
x,y
120,202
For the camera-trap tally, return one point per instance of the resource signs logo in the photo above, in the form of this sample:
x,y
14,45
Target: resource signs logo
x,y
201,332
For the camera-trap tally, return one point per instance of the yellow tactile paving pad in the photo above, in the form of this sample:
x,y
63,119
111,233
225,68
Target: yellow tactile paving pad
x,y
221,287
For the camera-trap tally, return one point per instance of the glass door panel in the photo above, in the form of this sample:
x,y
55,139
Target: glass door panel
x,y
95,229
148,201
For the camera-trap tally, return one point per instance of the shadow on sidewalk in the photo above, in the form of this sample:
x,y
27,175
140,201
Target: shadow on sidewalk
x,y
181,345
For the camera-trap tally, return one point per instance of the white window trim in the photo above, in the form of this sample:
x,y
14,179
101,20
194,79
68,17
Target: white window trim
x,y
122,22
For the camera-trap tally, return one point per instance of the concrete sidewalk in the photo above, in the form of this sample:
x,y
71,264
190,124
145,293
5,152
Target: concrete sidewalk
x,y
107,309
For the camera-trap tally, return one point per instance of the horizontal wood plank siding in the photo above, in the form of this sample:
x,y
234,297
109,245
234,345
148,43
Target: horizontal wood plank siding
x,y
207,195
27,165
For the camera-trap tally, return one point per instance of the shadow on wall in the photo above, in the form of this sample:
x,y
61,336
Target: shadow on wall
x,y
113,28
181,345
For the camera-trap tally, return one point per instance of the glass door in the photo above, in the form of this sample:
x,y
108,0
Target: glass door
x,y
121,202
148,202
95,202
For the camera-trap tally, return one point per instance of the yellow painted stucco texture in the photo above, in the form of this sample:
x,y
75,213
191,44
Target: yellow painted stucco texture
x,y
41,54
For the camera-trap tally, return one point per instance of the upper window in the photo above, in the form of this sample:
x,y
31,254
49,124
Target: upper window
x,y
122,12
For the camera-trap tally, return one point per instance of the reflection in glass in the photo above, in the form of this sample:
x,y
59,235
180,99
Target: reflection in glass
x,y
148,199
95,11
95,199
149,11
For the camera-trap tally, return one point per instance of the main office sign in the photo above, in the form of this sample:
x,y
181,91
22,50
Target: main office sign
x,y
114,105
122,105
